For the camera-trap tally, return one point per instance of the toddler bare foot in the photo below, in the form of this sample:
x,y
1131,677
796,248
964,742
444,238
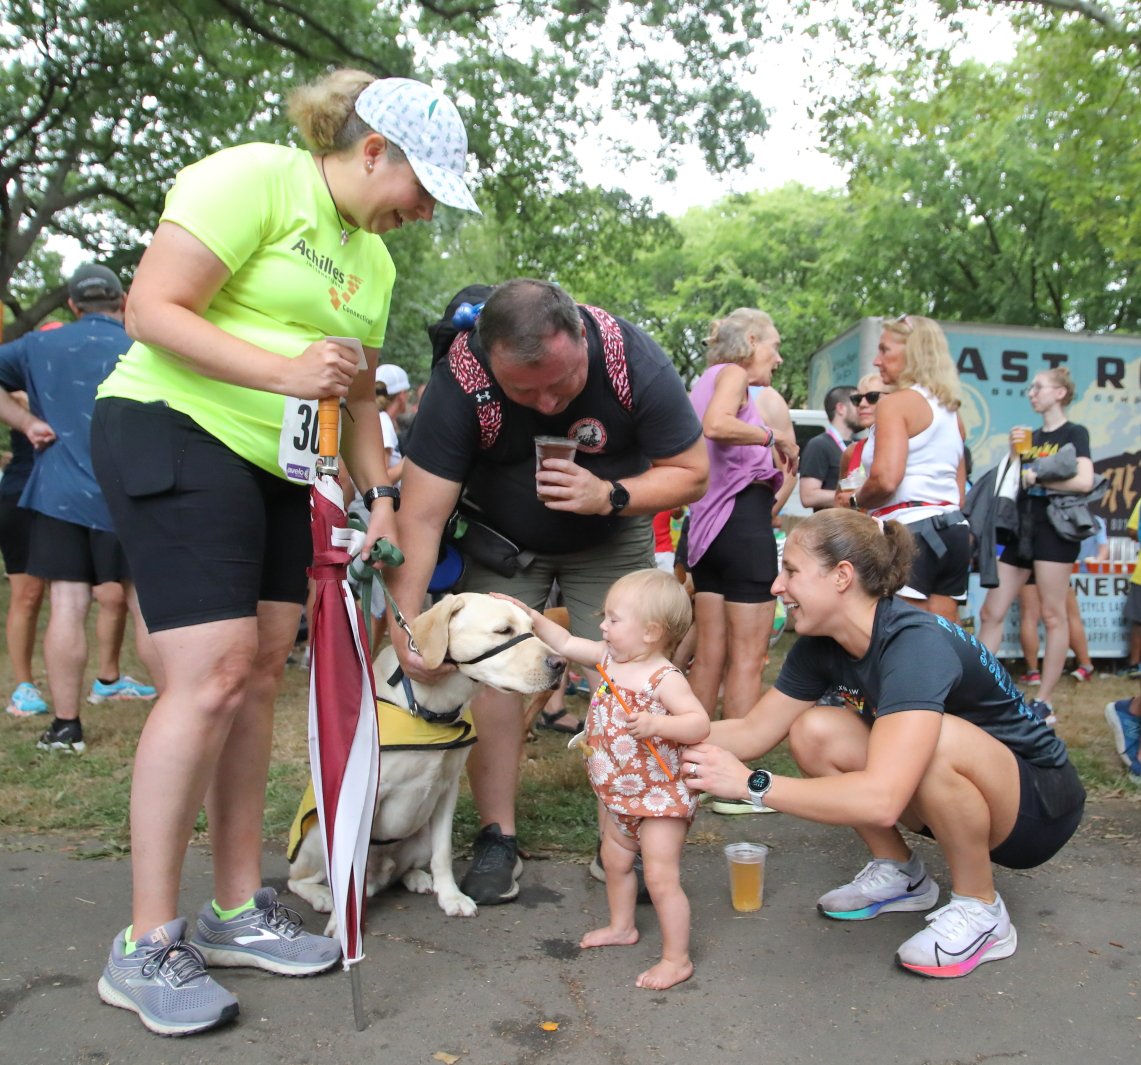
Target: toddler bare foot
x,y
610,937
665,974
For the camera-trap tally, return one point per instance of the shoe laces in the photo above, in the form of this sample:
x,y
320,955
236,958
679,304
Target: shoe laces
x,y
878,871
496,851
283,920
180,961
954,918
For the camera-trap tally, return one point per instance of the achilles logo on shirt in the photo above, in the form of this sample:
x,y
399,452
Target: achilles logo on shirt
x,y
341,297
324,264
590,434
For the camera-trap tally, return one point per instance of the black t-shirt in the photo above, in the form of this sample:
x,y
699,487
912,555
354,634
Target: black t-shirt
x,y
920,661
1049,443
613,442
820,459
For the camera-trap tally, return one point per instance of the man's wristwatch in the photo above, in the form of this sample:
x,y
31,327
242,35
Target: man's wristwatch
x,y
619,497
760,780
382,491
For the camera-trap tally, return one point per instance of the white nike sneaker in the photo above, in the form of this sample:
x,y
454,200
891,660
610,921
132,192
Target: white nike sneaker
x,y
958,938
880,887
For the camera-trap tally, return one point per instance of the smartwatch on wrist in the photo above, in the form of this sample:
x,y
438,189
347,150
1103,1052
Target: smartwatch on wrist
x,y
382,491
760,780
619,497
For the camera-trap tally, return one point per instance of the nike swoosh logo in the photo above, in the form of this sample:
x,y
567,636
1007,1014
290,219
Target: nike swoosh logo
x,y
912,887
260,935
975,945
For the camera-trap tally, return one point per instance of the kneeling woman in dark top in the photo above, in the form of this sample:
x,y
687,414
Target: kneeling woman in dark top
x,y
937,738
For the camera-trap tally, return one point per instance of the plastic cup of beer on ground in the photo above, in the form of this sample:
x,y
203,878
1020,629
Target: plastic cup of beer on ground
x,y
746,875
552,447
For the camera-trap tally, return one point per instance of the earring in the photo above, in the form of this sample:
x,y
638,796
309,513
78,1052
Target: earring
x,y
368,165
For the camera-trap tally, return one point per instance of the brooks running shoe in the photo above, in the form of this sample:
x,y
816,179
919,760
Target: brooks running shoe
x,y
266,936
165,982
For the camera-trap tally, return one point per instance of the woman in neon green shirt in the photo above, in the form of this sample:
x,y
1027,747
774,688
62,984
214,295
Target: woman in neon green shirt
x,y
263,290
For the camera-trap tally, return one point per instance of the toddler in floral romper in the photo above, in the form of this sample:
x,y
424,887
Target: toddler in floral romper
x,y
634,758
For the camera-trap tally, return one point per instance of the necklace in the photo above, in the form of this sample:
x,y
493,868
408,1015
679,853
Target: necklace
x,y
345,231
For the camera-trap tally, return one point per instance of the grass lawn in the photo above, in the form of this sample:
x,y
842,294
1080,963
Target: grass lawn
x,y
85,799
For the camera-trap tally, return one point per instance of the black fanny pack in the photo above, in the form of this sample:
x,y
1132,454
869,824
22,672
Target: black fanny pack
x,y
483,545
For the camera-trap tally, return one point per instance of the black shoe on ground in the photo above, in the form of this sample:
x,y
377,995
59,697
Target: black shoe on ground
x,y
599,873
63,736
493,877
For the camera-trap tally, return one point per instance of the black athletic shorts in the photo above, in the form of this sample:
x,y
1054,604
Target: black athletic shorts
x,y
1047,545
1050,807
741,563
63,551
934,574
209,535
15,534
1051,802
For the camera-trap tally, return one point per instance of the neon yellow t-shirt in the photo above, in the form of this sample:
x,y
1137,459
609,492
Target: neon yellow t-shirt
x,y
264,210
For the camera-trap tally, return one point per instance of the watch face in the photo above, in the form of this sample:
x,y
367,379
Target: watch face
x,y
760,780
619,497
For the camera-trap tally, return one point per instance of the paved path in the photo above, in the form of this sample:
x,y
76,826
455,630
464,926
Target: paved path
x,y
782,986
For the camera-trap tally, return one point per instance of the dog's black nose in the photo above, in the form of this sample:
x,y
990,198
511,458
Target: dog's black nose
x,y
556,662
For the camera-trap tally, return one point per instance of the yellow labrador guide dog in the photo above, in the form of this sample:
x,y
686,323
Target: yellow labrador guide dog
x,y
425,736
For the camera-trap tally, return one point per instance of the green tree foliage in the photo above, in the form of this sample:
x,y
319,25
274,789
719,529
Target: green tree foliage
x,y
1000,194
108,99
783,252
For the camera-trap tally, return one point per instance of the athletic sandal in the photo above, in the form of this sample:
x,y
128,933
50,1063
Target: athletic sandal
x,y
548,721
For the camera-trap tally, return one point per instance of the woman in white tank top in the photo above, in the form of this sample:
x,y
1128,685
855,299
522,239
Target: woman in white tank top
x,y
915,461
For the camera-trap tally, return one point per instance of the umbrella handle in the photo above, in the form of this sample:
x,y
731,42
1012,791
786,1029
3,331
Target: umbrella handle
x,y
328,433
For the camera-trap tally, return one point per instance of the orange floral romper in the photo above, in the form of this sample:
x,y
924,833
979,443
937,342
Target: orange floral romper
x,y
623,771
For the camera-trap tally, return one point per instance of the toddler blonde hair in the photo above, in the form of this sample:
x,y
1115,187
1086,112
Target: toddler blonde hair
x,y
659,600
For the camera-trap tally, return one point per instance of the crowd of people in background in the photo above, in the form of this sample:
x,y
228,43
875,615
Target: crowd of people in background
x,y
163,479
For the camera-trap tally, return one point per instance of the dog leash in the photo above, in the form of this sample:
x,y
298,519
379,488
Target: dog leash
x,y
388,554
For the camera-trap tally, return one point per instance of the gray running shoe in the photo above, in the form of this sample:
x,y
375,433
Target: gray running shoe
x,y
165,982
880,887
269,936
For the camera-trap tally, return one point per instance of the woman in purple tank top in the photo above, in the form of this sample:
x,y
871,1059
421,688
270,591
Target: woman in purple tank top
x,y
732,551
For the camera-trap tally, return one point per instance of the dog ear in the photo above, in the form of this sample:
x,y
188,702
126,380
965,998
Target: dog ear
x,y
430,630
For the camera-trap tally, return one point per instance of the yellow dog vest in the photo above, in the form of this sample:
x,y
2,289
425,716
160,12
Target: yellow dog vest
x,y
399,731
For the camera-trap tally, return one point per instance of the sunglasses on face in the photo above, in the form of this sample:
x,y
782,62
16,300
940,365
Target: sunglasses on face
x,y
872,397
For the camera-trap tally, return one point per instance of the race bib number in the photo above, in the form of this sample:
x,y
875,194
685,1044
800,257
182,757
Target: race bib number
x,y
297,446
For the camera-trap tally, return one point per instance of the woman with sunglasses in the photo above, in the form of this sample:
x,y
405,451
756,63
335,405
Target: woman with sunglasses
x,y
1042,552
868,391
914,456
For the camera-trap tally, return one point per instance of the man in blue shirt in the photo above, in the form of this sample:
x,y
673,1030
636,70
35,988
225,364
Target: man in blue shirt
x,y
72,545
